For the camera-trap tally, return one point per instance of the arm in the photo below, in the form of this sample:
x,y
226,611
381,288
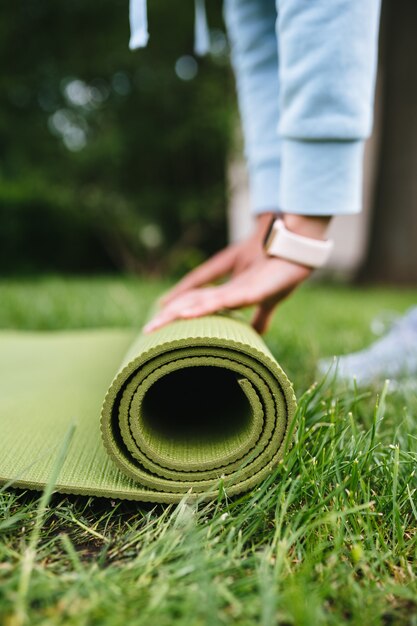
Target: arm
x,y
312,167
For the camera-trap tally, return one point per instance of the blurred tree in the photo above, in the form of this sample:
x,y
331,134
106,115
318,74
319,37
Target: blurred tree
x,y
110,158
392,255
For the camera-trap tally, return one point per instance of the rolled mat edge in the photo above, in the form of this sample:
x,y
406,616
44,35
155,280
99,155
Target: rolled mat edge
x,y
216,341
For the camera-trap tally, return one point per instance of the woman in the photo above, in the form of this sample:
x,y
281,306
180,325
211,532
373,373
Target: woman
x,y
305,73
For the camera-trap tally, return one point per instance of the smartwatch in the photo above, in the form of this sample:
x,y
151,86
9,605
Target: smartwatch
x,y
285,244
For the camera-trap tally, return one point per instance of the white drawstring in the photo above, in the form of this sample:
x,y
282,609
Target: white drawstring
x,y
138,17
201,31
139,35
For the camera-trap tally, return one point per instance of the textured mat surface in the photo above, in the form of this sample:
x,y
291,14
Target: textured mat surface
x,y
181,409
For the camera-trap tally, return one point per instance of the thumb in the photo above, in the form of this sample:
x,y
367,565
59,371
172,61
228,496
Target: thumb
x,y
263,315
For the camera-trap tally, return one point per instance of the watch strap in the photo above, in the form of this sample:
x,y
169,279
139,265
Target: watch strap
x,y
288,245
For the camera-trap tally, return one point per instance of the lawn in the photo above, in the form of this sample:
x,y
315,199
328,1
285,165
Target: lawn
x,y
329,538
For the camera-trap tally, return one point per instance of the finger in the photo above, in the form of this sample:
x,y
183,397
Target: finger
x,y
181,307
217,266
263,316
212,299
199,302
160,320
264,313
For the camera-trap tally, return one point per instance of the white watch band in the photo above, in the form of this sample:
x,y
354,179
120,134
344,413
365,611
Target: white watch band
x,y
285,244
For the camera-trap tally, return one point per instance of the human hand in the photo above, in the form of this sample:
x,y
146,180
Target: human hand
x,y
255,278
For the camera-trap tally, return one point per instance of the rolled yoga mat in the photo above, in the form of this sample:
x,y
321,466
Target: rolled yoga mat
x,y
195,405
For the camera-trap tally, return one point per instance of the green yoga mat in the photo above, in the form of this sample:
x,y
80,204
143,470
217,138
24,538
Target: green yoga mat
x,y
194,405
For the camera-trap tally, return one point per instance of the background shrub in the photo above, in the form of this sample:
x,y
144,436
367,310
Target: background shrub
x,y
108,158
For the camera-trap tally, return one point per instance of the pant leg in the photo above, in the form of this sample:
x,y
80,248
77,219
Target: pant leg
x,y
328,58
251,26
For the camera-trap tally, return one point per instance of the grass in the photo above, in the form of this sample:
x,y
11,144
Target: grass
x,y
329,538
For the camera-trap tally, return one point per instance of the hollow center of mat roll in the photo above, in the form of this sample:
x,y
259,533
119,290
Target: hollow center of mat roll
x,y
196,404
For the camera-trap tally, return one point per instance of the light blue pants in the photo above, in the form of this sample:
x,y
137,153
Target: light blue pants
x,y
305,73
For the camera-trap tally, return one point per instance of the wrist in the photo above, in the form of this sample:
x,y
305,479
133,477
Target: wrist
x,y
313,226
263,224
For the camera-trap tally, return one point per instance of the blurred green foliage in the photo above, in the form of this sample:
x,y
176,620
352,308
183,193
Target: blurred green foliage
x,y
110,158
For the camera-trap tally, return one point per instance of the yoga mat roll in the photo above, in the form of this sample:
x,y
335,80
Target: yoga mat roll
x,y
193,405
